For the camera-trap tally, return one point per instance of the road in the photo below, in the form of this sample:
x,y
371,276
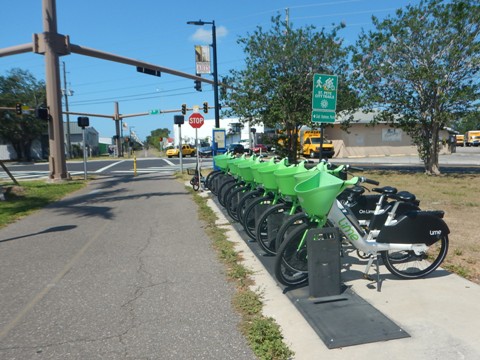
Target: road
x,y
109,167
465,160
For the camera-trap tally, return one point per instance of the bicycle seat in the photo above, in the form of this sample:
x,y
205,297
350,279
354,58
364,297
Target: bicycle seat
x,y
386,190
357,190
404,196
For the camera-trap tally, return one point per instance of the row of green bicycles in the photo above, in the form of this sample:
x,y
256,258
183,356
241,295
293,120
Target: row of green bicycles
x,y
277,203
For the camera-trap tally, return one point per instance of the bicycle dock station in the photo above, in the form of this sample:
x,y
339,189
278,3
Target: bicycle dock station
x,y
337,314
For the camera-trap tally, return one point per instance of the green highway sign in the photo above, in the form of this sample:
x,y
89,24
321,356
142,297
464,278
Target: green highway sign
x,y
323,116
154,112
324,97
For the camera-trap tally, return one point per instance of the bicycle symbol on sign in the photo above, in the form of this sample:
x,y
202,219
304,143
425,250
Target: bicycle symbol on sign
x,y
327,86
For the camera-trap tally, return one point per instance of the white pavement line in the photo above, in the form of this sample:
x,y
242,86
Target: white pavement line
x,y
169,162
109,166
297,332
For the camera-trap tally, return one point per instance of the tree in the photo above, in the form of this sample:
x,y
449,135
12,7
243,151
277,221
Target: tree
x,y
470,121
20,86
420,70
275,86
154,138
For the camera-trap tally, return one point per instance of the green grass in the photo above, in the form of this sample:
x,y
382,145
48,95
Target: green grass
x,y
30,196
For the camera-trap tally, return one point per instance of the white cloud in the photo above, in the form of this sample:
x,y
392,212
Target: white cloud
x,y
205,36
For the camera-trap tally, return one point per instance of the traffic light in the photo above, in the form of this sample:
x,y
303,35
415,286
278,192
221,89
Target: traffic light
x,y
42,113
83,121
160,139
205,107
198,85
178,119
184,109
18,108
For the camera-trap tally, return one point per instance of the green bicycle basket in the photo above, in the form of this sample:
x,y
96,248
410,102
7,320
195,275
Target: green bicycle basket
x,y
317,194
245,168
285,178
221,161
268,176
305,175
256,175
233,164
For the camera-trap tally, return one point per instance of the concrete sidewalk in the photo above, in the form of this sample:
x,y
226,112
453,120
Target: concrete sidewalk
x,y
119,270
441,313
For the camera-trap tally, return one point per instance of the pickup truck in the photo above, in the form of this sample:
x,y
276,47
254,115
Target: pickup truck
x,y
187,150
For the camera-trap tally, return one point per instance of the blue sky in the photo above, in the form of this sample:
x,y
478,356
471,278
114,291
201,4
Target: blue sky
x,y
156,32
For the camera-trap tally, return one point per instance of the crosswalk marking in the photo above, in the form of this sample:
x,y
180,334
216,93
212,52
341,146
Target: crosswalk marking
x,y
40,175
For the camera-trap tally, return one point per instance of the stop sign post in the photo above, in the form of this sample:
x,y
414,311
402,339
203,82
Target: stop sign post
x,y
196,120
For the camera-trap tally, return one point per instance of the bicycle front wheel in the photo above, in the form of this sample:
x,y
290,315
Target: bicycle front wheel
x,y
291,267
408,265
267,226
289,224
195,184
210,177
251,214
233,198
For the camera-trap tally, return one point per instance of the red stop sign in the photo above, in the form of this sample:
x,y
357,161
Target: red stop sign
x,y
196,120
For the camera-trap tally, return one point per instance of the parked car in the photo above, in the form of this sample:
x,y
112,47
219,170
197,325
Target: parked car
x,y
260,148
236,148
186,150
205,151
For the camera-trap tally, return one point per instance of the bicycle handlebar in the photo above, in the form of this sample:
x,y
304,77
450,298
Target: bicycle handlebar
x,y
350,167
368,181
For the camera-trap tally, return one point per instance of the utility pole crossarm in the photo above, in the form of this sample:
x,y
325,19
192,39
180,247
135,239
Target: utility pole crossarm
x,y
89,114
18,49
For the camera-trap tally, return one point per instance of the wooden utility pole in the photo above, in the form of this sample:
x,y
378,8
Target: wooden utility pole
x,y
52,41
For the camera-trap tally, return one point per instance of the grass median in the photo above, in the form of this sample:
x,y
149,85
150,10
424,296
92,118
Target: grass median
x,y
21,200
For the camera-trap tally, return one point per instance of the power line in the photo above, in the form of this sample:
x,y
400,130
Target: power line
x,y
126,99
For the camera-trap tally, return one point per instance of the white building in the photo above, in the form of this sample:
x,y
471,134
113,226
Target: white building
x,y
235,131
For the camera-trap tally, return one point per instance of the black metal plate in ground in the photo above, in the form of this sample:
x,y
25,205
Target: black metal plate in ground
x,y
346,322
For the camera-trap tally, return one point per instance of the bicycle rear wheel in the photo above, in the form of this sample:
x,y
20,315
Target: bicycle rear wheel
x,y
408,265
291,267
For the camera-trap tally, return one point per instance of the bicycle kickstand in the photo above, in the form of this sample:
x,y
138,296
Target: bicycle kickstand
x,y
377,270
